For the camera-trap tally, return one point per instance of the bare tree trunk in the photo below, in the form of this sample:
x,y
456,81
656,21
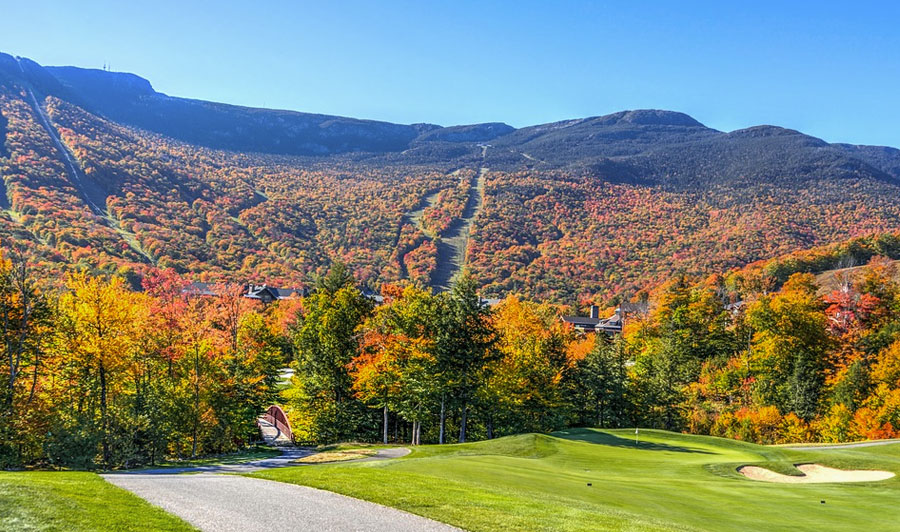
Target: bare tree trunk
x,y
103,421
600,413
462,423
385,424
443,419
194,438
34,380
8,398
15,349
195,428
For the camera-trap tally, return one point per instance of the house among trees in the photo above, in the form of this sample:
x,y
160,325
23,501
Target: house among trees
x,y
610,325
375,297
490,302
736,307
266,294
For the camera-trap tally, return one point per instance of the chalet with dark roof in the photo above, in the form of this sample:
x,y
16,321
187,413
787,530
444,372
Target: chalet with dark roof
x,y
266,294
611,325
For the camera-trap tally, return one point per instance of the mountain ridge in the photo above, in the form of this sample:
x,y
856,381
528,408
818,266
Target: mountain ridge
x,y
575,210
87,83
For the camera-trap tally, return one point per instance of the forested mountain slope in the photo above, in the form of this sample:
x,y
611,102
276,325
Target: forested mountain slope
x,y
575,210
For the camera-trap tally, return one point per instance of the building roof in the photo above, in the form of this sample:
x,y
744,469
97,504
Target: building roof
x,y
613,323
252,291
377,298
271,292
581,320
736,306
610,324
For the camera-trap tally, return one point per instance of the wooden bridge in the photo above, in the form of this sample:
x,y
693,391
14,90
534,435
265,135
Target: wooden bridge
x,y
275,427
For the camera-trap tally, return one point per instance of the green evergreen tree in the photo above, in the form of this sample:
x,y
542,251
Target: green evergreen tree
x,y
598,385
326,341
464,345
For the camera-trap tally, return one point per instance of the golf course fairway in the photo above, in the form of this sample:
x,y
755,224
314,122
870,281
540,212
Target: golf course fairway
x,y
586,479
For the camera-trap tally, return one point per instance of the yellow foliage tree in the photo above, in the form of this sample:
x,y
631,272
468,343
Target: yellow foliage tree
x,y
99,322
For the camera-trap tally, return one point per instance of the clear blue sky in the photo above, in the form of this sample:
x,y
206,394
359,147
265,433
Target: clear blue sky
x,y
831,69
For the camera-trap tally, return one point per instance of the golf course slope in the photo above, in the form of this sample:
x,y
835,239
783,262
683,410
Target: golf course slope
x,y
586,479
76,501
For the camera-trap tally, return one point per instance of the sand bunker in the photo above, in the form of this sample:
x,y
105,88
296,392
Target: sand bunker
x,y
814,474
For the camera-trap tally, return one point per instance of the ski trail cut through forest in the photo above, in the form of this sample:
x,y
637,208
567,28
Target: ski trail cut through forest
x,y
454,242
4,199
92,194
414,217
452,245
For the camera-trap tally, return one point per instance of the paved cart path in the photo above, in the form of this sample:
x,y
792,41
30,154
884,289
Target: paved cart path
x,y
286,459
842,445
225,503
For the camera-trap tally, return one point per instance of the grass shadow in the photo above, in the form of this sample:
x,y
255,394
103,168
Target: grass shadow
x,y
605,438
730,469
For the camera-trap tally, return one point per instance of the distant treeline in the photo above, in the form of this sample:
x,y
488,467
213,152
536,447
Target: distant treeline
x,y
729,356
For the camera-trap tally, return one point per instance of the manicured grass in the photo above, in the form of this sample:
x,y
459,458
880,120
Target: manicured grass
x,y
73,502
666,482
352,446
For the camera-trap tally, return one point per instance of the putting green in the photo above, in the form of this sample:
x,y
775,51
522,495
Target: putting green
x,y
586,479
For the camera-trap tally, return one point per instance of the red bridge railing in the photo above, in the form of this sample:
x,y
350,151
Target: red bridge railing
x,y
276,416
